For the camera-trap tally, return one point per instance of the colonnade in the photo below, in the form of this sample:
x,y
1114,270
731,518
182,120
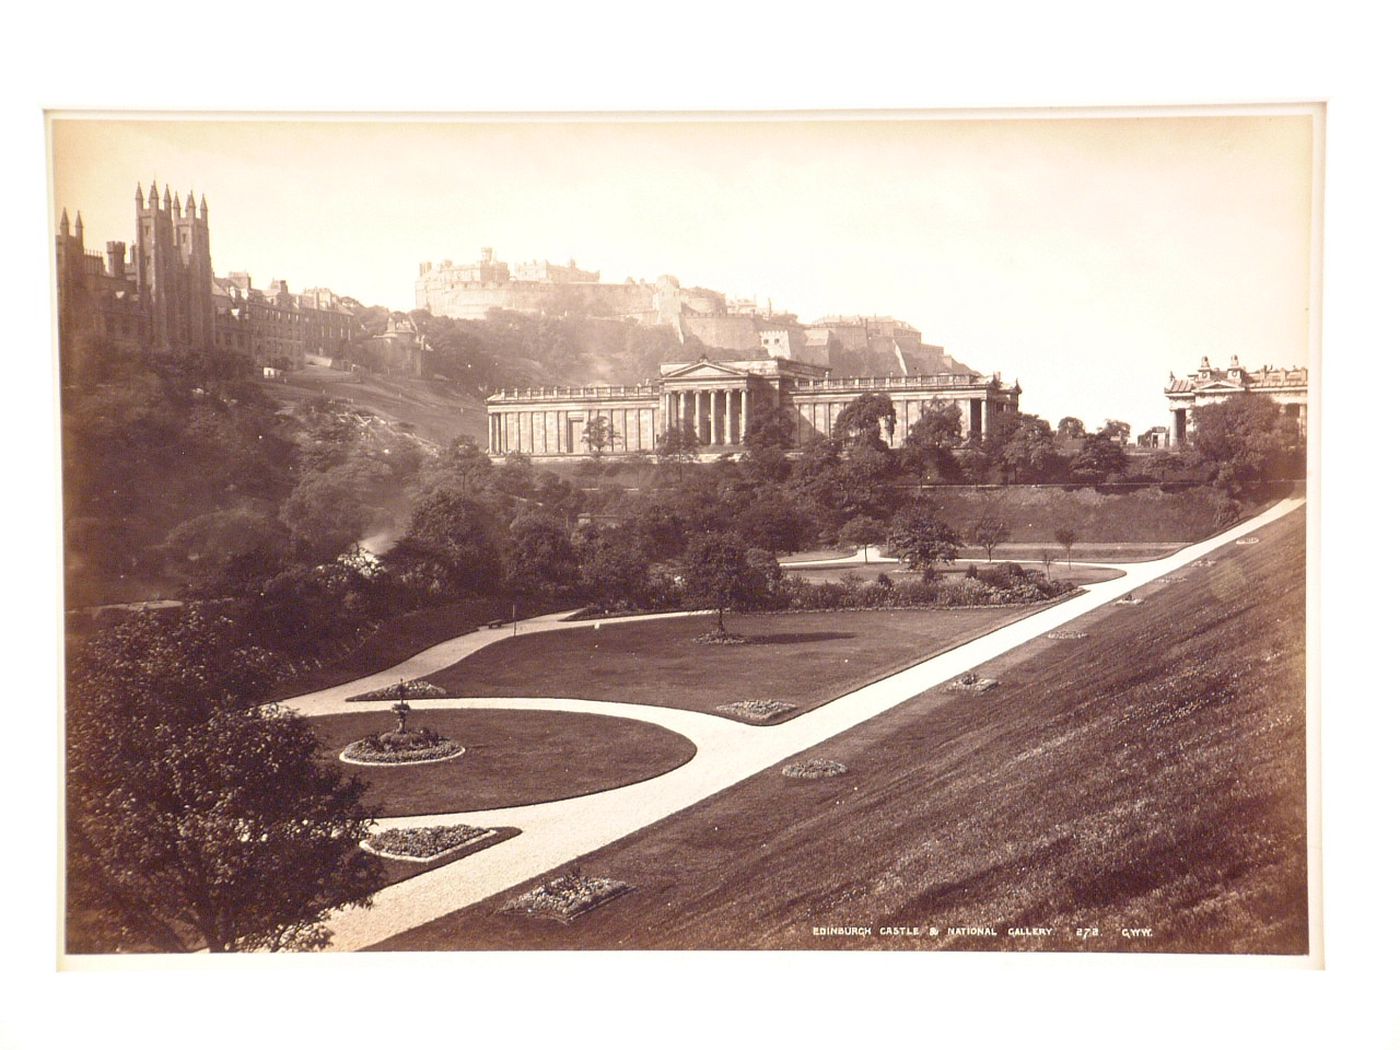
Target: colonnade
x,y
718,416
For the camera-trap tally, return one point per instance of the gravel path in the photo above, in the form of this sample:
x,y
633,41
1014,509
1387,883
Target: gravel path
x,y
555,833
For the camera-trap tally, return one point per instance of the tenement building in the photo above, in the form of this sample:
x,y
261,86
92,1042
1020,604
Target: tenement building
x,y
163,295
1207,386
718,400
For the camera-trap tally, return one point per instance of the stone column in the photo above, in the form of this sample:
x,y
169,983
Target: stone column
x,y
714,417
743,414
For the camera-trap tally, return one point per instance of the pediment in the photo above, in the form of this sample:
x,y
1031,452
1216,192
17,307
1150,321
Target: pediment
x,y
705,370
1220,386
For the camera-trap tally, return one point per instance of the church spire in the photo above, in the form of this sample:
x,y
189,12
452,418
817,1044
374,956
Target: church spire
x,y
203,208
63,223
189,205
155,197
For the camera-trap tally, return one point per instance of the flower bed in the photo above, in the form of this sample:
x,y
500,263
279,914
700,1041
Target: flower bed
x,y
1204,563
424,844
417,689
567,897
1128,599
413,745
718,637
971,683
1066,635
1247,541
814,769
756,710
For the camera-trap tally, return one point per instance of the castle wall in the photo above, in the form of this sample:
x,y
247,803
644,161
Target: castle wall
x,y
722,331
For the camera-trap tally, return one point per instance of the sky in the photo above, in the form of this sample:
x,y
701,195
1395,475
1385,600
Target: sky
x,y
1086,257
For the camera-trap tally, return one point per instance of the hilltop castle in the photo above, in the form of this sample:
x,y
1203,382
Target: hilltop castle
x,y
163,294
739,326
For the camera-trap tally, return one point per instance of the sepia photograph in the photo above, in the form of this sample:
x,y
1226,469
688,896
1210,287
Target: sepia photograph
x,y
852,531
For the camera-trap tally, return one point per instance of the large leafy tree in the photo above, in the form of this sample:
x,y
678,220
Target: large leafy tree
x,y
1024,447
451,548
721,573
920,537
539,555
1070,427
1100,457
194,819
868,420
1246,439
928,447
614,570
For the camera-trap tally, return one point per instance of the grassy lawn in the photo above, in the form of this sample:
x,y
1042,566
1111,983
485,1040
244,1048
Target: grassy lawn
x,y
806,659
1148,775
513,758
396,640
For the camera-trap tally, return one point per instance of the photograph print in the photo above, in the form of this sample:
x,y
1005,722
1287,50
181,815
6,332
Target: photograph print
x,y
854,531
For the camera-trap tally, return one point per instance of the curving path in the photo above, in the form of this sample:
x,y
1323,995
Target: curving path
x,y
555,833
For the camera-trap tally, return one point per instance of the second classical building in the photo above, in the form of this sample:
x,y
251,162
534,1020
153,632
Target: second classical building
x,y
717,401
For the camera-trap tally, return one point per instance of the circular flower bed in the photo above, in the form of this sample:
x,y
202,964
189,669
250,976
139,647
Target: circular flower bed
x,y
410,745
814,769
423,844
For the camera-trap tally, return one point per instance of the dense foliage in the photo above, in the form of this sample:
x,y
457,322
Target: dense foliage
x,y
193,819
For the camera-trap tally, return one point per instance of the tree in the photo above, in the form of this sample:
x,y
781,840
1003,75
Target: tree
x,y
1024,446
861,531
677,447
920,538
721,573
539,557
451,547
1115,430
614,570
598,435
989,532
929,445
1047,558
769,520
193,818
1246,439
1100,458
865,420
769,427
330,510
1070,428
1066,538
865,481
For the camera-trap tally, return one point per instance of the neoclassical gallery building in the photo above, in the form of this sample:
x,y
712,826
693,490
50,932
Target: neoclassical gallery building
x,y
717,399
1208,386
